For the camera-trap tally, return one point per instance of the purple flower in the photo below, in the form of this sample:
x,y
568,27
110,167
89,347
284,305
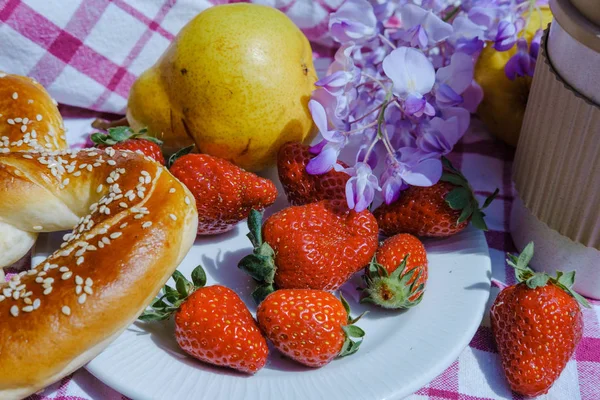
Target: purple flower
x,y
413,76
465,30
506,35
453,80
337,107
342,73
521,63
485,17
422,27
405,169
353,21
534,46
361,187
331,145
439,136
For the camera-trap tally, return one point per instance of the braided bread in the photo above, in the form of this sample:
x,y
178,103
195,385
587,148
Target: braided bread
x,y
134,223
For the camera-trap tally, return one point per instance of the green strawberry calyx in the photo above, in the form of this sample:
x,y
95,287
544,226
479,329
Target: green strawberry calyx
x,y
120,134
391,290
351,331
180,153
462,197
260,265
165,304
523,273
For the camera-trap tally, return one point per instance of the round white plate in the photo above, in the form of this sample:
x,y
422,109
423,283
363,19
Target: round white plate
x,y
401,352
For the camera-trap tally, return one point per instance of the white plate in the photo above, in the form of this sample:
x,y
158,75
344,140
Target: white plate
x,y
402,351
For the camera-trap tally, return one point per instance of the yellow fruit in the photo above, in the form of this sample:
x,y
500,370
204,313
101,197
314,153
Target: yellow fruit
x,y
236,81
503,105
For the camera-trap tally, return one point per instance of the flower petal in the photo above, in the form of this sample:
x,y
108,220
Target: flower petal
x,y
458,74
410,71
425,173
353,21
324,161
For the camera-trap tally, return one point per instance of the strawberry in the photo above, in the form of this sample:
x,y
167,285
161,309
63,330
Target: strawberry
x,y
124,138
301,187
309,326
441,210
224,192
537,325
315,246
212,323
396,277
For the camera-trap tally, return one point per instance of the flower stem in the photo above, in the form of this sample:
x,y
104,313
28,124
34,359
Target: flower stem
x,y
451,14
367,114
377,81
362,128
380,120
370,149
387,41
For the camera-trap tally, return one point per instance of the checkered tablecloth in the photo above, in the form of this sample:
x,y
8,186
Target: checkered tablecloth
x,y
69,46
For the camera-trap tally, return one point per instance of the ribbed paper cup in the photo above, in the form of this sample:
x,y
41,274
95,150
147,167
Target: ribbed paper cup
x,y
557,164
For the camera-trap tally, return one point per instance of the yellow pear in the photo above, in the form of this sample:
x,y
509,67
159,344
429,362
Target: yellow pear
x,y
503,106
236,81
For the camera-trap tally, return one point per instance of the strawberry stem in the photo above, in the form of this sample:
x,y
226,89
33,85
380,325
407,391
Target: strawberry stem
x,y
118,134
524,274
163,306
463,198
350,331
260,265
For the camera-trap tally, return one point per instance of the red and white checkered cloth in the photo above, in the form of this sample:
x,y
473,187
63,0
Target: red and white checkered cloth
x,y
88,53
69,46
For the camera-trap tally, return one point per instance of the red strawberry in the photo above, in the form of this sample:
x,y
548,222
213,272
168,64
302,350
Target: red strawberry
x,y
212,323
396,277
302,188
441,210
315,246
123,138
224,192
310,335
537,325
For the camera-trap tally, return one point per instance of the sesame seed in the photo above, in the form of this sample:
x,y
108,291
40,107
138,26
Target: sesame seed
x,y
15,95
18,120
16,295
66,310
82,298
25,120
14,310
23,128
31,272
106,240
140,194
78,173
88,289
139,216
123,225
172,190
123,204
101,245
29,157
7,292
38,117
47,291
115,235
39,279
187,200
102,231
89,282
66,275
27,308
38,228
147,224
79,261
90,167
78,289
10,121
99,189
27,300
111,162
36,304
82,166
63,269
29,101
173,217
78,280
